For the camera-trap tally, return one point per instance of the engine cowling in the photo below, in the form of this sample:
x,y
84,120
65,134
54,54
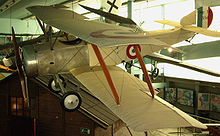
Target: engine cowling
x,y
40,60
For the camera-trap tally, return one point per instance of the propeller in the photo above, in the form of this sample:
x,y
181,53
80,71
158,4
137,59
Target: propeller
x,y
20,69
7,68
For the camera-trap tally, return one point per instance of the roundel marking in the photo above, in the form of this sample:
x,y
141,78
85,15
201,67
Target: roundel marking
x,y
131,52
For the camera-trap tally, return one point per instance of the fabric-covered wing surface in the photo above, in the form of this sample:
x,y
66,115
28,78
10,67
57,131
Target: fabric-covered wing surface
x,y
96,32
137,109
114,55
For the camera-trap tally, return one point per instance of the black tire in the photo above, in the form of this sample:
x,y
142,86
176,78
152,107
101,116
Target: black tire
x,y
128,65
58,89
155,73
75,107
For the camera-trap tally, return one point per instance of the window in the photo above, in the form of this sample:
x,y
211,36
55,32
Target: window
x,y
16,106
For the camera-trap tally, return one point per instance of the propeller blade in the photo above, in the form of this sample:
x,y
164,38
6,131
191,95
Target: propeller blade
x,y
19,68
7,68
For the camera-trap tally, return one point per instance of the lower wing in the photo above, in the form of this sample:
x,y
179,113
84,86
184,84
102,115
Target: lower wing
x,y
137,108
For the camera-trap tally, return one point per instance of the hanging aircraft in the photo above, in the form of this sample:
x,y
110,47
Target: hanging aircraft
x,y
200,17
92,61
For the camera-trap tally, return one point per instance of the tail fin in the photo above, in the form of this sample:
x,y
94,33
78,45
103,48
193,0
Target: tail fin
x,y
201,17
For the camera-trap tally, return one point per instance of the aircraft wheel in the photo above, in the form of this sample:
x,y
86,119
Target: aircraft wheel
x,y
52,86
71,101
155,73
128,65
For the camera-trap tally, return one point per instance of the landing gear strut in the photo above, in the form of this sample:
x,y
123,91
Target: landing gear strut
x,y
70,101
54,84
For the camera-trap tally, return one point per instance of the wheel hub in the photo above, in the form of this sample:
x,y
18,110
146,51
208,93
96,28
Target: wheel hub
x,y
71,102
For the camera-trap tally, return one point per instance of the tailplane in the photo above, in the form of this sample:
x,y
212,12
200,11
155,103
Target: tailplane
x,y
197,21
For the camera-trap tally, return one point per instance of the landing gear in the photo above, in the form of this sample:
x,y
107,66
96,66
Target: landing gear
x,y
54,84
71,101
128,65
155,73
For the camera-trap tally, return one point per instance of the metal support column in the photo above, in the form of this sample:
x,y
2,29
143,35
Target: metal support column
x,y
130,8
163,14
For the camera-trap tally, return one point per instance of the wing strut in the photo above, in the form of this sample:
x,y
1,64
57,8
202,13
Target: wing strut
x,y
144,69
106,72
42,27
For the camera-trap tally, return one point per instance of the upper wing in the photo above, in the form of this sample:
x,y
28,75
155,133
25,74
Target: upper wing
x,y
137,108
96,32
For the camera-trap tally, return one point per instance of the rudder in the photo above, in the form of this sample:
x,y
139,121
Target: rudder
x,y
201,17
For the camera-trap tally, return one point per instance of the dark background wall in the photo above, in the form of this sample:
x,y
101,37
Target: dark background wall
x,y
44,108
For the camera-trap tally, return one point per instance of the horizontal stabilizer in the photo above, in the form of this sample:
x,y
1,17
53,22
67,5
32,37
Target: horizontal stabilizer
x,y
137,108
168,22
202,31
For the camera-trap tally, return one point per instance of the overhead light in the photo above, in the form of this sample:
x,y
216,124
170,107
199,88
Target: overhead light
x,y
170,49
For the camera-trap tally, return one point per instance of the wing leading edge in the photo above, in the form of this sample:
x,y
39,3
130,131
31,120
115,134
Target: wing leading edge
x,y
137,109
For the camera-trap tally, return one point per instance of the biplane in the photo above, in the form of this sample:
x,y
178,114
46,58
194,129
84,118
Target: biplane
x,y
92,59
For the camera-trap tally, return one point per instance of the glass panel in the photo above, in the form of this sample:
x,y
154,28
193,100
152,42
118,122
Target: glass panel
x,y
19,106
13,106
